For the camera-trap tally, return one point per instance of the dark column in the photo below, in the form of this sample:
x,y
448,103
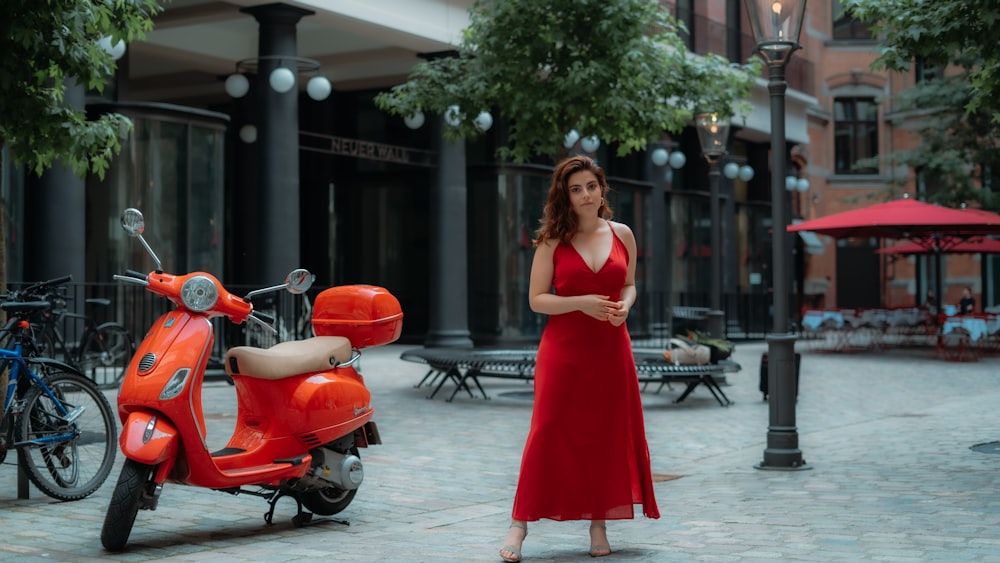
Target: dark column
x,y
55,237
277,234
659,282
730,264
448,322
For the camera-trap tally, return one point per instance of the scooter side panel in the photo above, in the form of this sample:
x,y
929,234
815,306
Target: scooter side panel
x,y
306,407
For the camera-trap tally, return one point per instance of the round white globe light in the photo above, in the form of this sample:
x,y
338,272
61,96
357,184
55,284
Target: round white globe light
x,y
237,85
248,134
746,173
571,138
484,121
677,159
415,120
590,144
802,184
319,88
790,182
281,79
731,170
116,51
659,156
453,116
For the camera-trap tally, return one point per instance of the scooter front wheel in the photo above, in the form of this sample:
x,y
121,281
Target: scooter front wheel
x,y
132,489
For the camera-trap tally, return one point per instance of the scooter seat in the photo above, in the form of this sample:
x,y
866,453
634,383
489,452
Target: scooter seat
x,y
285,359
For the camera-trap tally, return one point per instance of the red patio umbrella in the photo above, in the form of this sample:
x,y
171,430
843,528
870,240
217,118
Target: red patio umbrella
x,y
909,219
924,224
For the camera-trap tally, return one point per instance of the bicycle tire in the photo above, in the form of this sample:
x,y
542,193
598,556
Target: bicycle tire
x,y
131,492
105,355
74,468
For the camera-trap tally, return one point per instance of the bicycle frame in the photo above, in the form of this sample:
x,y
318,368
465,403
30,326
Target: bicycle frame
x,y
14,359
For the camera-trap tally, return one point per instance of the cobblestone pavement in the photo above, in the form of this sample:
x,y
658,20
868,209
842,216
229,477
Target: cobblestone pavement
x,y
887,436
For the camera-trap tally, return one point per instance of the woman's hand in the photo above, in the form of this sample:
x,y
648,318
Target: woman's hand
x,y
619,315
598,307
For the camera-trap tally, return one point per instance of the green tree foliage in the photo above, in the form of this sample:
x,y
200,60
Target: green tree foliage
x,y
955,113
613,68
45,43
938,32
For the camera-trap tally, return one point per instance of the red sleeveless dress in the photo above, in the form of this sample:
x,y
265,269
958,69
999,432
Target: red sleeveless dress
x,y
586,456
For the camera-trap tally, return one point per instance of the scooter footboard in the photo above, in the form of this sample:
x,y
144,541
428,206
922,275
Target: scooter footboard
x,y
149,438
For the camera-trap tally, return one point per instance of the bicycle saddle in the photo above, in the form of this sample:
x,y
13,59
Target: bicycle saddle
x,y
25,306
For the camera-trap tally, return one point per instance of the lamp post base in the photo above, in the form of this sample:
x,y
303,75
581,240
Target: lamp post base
x,y
782,452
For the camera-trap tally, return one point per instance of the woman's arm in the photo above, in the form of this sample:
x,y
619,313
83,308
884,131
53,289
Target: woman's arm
x,y
628,295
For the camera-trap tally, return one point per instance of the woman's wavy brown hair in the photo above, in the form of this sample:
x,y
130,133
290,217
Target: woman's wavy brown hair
x,y
558,220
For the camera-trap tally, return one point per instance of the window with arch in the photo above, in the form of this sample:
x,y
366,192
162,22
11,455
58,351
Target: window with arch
x,y
855,134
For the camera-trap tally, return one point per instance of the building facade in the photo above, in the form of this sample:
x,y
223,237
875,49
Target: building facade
x,y
252,186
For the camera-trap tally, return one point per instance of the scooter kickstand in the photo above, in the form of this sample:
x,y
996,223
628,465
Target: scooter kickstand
x,y
301,517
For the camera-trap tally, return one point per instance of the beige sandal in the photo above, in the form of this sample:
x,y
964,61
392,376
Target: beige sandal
x,y
512,549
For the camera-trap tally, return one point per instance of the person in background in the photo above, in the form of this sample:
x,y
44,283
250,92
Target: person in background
x,y
967,305
586,456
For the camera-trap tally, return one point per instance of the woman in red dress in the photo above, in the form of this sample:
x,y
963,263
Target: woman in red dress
x,y
586,456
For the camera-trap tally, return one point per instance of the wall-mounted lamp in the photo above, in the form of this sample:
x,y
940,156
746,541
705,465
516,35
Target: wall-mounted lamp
x,y
661,157
415,120
590,144
248,133
453,116
484,121
282,79
569,141
733,170
116,51
793,183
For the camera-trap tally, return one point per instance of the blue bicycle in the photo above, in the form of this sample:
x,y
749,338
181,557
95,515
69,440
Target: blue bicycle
x,y
59,422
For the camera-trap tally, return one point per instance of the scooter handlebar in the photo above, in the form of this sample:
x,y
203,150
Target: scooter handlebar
x,y
171,286
269,319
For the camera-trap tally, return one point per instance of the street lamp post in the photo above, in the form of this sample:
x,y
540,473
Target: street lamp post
x,y
776,25
713,132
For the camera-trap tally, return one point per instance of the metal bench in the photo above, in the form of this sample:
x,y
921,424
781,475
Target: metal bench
x,y
464,367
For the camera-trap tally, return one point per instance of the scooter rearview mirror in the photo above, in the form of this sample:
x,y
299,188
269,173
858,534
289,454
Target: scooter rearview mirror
x,y
299,281
132,222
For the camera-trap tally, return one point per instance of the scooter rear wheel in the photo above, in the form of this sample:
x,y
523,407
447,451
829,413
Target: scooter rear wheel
x,y
331,500
328,501
126,500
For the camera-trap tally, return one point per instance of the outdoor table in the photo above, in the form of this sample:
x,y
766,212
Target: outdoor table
x,y
959,336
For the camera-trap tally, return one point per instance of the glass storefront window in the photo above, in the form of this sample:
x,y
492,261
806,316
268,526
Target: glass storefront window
x,y
171,167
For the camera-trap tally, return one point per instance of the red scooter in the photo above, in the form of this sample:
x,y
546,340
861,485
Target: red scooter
x,y
303,409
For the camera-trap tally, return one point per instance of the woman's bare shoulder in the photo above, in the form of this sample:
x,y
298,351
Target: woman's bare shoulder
x,y
547,245
622,230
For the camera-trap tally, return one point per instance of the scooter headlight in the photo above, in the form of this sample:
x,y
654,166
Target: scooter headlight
x,y
199,293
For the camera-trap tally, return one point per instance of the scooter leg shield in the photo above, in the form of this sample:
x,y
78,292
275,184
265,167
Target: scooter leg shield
x,y
149,438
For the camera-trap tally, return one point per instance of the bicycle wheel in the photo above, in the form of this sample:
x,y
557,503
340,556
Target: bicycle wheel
x,y
67,435
105,355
